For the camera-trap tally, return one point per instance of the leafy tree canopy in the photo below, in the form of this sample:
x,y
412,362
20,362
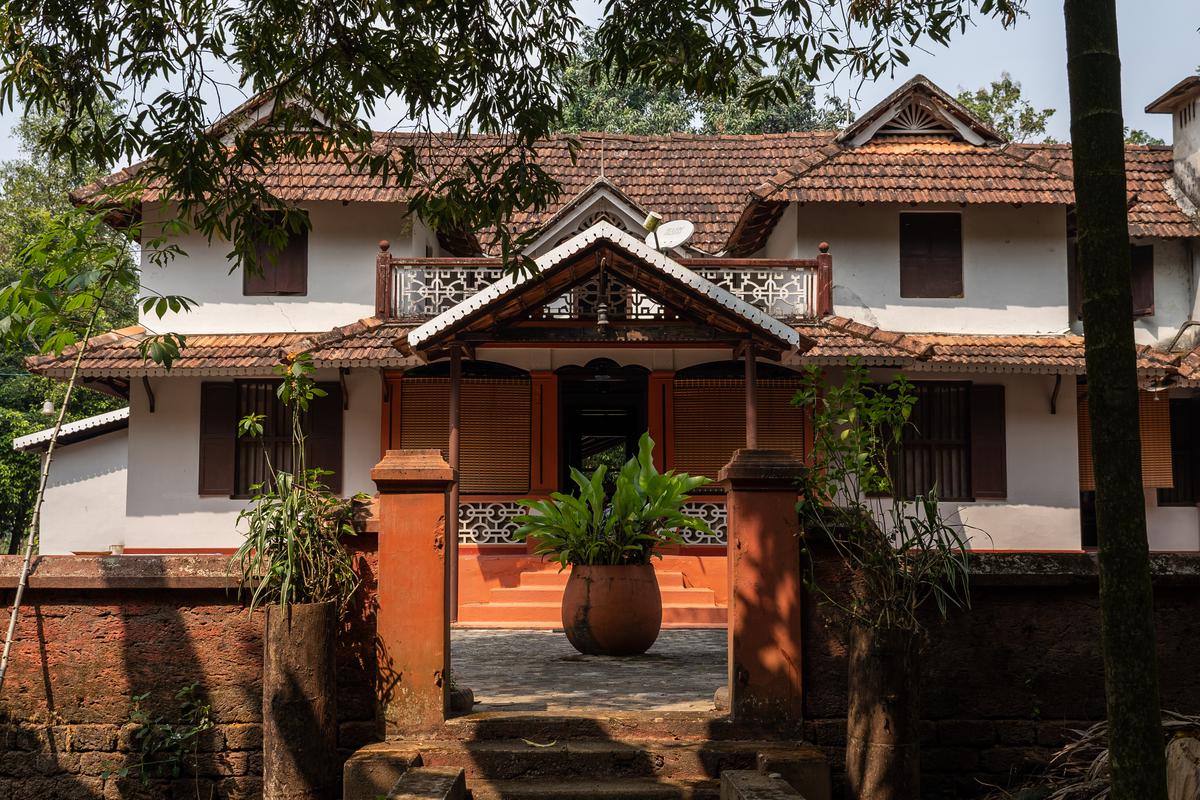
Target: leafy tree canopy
x,y
597,102
1001,106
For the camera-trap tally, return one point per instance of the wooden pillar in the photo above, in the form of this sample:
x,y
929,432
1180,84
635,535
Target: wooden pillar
x,y
389,420
764,586
824,300
660,422
453,450
413,618
543,450
751,398
383,281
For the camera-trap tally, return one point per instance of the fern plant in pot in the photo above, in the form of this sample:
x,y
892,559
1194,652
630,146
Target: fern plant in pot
x,y
294,564
612,605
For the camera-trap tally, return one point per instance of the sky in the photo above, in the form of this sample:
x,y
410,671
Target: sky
x,y
1160,44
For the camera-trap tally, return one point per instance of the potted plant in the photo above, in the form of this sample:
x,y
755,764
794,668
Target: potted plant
x,y
612,605
294,564
896,554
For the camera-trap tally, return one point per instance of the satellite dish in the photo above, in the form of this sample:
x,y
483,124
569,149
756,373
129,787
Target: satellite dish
x,y
675,233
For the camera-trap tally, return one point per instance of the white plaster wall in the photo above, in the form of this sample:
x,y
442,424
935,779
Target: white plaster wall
x,y
1186,142
1173,292
162,504
783,241
84,510
1014,268
342,246
1171,527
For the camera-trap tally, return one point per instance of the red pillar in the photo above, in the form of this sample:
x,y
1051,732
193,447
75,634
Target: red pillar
x,y
413,620
660,422
452,453
764,586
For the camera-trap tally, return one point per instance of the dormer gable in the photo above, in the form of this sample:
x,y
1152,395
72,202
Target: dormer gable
x,y
601,201
919,108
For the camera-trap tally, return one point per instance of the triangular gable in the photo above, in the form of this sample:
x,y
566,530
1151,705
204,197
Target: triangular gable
x,y
564,266
601,201
919,107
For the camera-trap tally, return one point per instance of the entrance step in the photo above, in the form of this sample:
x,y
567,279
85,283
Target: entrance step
x,y
536,602
591,754
703,789
597,759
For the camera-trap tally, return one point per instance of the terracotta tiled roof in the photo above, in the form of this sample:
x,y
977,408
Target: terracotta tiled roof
x,y
1153,211
923,169
715,180
115,354
839,339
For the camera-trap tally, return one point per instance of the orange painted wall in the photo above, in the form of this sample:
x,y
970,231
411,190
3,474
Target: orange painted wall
x,y
481,570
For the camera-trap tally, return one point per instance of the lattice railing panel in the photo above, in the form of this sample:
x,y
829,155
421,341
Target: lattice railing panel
x,y
491,522
426,291
712,513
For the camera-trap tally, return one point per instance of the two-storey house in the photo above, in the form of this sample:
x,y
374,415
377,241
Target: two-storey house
x,y
914,241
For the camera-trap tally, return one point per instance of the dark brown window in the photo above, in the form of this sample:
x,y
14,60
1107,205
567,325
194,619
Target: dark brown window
x,y
1142,278
931,255
956,443
1185,454
282,271
231,465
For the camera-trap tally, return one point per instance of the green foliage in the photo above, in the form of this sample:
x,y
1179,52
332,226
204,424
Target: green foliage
x,y
598,102
165,749
293,551
900,551
643,514
1139,136
18,478
1001,106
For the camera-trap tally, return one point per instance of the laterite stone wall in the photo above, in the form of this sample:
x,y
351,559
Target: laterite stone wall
x,y
1004,682
96,632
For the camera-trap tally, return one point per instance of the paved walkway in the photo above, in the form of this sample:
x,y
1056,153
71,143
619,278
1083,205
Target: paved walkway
x,y
529,670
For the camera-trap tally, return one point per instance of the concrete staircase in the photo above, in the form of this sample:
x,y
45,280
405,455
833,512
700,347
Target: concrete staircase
x,y
537,603
592,755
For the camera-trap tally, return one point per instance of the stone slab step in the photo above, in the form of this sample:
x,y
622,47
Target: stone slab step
x,y
430,783
599,759
592,724
704,789
555,578
549,615
554,594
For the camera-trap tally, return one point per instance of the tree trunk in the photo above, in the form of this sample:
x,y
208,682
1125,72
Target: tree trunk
x,y
883,736
1126,598
300,703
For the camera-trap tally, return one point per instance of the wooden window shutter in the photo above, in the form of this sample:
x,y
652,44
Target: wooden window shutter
x,y
218,437
495,436
1141,277
931,255
989,467
710,421
282,272
1154,423
324,438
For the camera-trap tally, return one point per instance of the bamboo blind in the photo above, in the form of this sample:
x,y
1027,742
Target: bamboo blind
x,y
710,421
1154,422
494,437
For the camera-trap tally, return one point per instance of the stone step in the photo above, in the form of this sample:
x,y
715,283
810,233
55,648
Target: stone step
x,y
599,759
701,789
554,578
543,726
549,615
554,594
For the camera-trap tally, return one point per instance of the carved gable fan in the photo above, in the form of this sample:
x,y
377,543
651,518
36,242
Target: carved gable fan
x,y
915,117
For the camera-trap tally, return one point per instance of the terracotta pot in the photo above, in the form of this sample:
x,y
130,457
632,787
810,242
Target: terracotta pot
x,y
612,611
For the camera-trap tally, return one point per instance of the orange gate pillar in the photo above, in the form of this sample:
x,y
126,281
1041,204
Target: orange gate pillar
x,y
764,586
413,617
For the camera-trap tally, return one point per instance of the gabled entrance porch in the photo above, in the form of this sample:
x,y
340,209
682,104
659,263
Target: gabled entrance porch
x,y
564,369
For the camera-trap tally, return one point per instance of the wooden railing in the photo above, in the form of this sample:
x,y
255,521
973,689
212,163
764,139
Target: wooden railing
x,y
421,288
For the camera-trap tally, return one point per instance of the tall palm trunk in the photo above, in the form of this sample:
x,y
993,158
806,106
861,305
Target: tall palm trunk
x,y
1126,598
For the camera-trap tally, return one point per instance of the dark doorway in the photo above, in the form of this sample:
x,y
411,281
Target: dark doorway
x,y
602,415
